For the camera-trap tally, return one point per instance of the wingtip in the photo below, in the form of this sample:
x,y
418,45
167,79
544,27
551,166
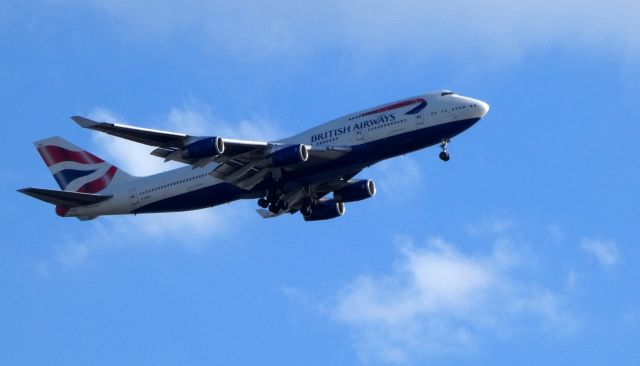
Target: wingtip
x,y
84,122
27,191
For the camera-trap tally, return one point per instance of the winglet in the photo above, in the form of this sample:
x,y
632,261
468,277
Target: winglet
x,y
84,122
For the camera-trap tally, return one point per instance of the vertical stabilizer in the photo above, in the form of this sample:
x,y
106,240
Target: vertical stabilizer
x,y
77,170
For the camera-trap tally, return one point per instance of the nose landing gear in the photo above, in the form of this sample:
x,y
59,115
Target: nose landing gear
x,y
444,154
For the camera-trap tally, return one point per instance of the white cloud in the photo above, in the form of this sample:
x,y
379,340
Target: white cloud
x,y
497,29
398,175
74,254
604,251
192,230
76,251
197,119
493,224
132,157
438,299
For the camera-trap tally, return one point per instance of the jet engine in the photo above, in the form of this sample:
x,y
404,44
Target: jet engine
x,y
355,190
204,148
290,155
325,210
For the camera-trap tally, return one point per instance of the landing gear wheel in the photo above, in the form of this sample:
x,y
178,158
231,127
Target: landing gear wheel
x,y
282,204
274,208
444,154
271,197
263,203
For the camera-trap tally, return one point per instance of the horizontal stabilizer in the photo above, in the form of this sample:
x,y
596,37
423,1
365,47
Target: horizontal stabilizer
x,y
64,198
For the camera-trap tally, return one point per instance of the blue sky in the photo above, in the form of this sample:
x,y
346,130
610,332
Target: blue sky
x,y
523,249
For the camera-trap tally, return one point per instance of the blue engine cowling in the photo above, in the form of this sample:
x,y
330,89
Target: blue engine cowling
x,y
290,155
204,148
326,210
355,190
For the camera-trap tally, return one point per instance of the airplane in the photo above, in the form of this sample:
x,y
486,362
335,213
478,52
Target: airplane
x,y
294,174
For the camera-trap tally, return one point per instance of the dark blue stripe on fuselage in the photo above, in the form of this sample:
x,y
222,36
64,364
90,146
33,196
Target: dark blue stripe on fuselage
x,y
64,177
359,158
201,198
417,109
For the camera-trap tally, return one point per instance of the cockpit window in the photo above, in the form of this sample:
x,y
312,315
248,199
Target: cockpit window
x,y
446,93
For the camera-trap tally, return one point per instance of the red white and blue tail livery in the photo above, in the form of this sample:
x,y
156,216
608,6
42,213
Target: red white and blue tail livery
x,y
294,174
75,169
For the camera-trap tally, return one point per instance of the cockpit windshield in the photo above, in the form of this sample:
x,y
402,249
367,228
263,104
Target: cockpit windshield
x,y
446,93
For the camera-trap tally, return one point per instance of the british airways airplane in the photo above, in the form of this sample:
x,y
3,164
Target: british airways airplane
x,y
295,174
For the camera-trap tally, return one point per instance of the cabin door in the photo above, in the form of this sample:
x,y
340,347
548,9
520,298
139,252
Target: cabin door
x,y
133,195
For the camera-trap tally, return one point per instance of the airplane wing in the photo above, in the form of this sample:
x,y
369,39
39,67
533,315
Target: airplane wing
x,y
165,141
142,135
242,163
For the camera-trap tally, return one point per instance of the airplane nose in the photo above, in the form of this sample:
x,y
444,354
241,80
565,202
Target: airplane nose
x,y
483,107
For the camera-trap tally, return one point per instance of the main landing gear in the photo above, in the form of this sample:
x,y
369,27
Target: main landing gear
x,y
444,154
273,201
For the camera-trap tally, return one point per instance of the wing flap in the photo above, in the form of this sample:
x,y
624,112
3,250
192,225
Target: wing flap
x,y
64,198
248,169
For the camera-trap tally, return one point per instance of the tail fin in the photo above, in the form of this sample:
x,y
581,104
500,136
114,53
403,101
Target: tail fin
x,y
77,170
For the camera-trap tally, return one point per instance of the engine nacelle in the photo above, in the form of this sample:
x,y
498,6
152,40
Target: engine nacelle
x,y
204,148
355,190
290,155
326,210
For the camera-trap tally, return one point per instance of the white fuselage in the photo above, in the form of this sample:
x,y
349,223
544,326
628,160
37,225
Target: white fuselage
x,y
356,130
